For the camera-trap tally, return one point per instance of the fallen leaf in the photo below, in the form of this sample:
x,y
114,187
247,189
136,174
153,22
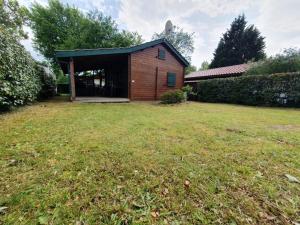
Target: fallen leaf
x,y
292,178
155,214
187,183
2,209
12,162
270,217
165,191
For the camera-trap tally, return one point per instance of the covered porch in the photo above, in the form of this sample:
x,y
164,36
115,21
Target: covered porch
x,y
96,78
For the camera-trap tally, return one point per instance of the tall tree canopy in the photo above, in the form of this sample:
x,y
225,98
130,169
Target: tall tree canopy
x,y
240,44
182,41
12,18
59,26
204,65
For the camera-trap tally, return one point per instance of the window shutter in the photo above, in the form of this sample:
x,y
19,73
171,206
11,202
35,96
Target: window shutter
x,y
161,54
171,79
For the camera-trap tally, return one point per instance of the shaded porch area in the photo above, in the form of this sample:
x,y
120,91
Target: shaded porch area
x,y
96,78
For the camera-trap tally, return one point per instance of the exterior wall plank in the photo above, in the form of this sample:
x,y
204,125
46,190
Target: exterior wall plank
x,y
143,66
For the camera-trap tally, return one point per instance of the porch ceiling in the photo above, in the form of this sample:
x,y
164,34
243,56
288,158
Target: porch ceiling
x,y
85,63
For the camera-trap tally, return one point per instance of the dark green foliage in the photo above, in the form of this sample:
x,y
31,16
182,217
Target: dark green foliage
x,y
240,44
19,81
48,84
268,90
289,61
59,26
173,97
188,90
190,69
62,79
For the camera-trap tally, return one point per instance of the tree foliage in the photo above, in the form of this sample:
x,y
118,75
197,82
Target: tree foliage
x,y
59,26
288,61
19,80
22,80
204,65
182,41
12,18
239,44
190,69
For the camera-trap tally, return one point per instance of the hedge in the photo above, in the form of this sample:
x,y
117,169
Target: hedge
x,y
22,80
264,90
19,82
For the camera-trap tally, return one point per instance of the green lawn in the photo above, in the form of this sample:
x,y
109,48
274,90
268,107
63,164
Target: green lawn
x,y
143,163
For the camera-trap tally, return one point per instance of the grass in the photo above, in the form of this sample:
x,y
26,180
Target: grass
x,y
142,163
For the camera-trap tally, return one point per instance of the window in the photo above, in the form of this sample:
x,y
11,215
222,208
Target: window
x,y
171,79
161,54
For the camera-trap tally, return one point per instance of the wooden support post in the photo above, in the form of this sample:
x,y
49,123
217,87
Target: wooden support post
x,y
129,91
156,82
72,80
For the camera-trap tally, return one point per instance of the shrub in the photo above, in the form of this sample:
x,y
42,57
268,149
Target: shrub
x,y
172,97
268,90
288,61
48,88
19,81
188,90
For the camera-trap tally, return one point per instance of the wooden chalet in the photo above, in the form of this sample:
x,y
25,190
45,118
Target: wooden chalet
x,y
142,72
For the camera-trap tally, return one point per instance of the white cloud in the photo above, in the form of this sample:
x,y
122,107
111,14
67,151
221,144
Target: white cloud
x,y
277,20
147,19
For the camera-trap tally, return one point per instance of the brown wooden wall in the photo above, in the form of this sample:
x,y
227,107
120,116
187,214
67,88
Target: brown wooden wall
x,y
142,70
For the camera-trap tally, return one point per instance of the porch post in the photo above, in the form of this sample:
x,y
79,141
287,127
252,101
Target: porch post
x,y
129,76
72,80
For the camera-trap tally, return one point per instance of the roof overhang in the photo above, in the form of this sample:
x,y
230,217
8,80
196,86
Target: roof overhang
x,y
64,56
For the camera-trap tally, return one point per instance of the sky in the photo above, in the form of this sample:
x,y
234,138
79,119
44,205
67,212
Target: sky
x,y
277,20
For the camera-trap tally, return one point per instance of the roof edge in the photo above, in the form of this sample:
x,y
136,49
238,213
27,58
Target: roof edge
x,y
124,50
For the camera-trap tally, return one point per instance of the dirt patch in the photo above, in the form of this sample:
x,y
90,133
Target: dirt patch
x,y
286,127
234,130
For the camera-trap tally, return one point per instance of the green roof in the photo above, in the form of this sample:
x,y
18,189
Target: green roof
x,y
111,51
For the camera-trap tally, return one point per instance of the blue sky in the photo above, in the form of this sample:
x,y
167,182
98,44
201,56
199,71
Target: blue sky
x,y
278,20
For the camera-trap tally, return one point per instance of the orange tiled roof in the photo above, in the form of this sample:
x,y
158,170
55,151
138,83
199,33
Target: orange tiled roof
x,y
227,70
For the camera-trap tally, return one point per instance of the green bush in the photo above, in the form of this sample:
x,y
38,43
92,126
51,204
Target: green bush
x,y
172,97
19,81
268,90
188,90
288,61
48,88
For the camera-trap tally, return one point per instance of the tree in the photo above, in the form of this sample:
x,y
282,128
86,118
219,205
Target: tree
x,y
12,18
59,26
182,41
286,62
190,69
239,44
204,65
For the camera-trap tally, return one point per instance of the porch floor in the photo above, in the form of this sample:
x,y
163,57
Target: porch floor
x,y
101,100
